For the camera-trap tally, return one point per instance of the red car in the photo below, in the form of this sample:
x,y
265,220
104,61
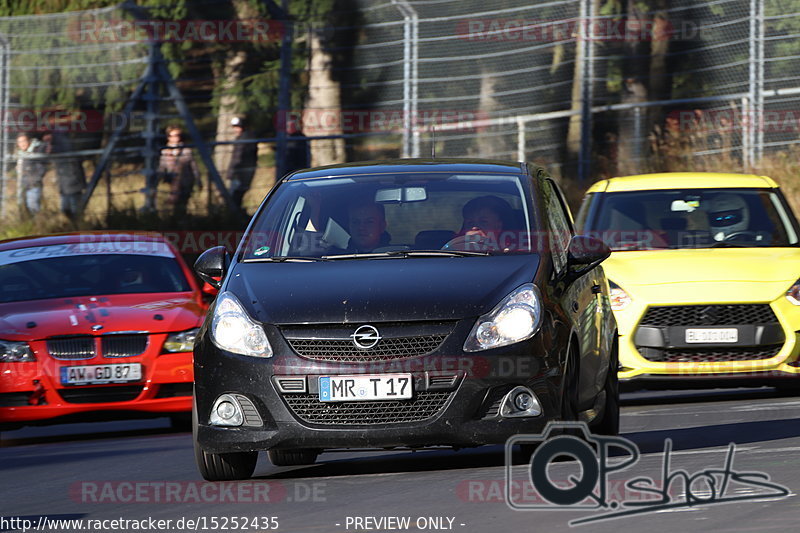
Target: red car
x,y
95,324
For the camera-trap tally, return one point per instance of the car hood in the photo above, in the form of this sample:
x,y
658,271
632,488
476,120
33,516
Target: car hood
x,y
39,319
365,290
658,267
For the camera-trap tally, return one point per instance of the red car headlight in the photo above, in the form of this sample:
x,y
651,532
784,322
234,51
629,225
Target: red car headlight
x,y
15,352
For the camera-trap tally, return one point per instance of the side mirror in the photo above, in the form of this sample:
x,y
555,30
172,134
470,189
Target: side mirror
x,y
212,265
585,253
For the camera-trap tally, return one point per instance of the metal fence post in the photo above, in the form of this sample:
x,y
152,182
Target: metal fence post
x,y
752,108
4,122
586,36
410,77
759,148
284,92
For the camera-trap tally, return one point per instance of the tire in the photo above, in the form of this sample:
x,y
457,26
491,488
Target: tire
x,y
293,457
609,425
221,466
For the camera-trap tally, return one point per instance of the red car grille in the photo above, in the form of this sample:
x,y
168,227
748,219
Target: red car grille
x,y
84,347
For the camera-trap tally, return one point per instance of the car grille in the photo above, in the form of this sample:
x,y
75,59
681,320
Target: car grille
x,y
346,351
124,345
711,355
708,315
71,348
399,340
101,394
83,347
308,408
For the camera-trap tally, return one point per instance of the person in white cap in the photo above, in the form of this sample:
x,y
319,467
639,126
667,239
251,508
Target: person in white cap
x,y
727,214
243,161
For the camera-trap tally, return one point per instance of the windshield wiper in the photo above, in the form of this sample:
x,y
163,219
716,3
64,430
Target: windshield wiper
x,y
407,253
284,259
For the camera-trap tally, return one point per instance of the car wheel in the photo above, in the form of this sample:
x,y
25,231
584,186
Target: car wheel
x,y
293,457
221,466
609,425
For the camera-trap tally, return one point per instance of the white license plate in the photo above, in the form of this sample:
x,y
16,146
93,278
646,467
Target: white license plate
x,y
712,335
361,388
101,374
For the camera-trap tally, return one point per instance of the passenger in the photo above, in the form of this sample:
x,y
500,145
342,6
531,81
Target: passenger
x,y
367,225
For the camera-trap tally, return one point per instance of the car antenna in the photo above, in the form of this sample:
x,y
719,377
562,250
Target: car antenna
x,y
433,142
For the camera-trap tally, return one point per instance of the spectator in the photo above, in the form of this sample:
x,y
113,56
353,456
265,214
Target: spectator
x,y
243,161
298,155
178,168
30,172
69,172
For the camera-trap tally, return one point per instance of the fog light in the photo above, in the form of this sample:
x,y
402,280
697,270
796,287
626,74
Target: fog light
x,y
523,401
520,402
226,412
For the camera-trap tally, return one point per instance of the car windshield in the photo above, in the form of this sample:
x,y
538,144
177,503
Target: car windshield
x,y
693,218
62,276
393,215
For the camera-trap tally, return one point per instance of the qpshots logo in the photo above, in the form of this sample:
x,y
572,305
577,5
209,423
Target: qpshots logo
x,y
600,457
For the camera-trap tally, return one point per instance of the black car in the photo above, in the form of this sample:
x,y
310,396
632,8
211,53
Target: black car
x,y
401,304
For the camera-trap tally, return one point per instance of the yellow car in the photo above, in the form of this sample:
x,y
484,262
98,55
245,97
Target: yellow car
x,y
703,275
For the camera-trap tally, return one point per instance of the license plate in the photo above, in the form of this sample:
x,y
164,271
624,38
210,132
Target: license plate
x,y
707,335
101,374
362,388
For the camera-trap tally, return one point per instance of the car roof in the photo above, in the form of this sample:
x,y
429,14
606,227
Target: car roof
x,y
82,237
397,166
683,180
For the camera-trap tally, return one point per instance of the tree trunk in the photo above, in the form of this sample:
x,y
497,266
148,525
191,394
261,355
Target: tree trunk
x,y
323,100
227,76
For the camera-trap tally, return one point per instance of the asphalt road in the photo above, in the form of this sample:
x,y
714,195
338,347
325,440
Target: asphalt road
x,y
141,470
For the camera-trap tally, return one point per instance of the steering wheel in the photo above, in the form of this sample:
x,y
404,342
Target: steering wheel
x,y
476,242
734,236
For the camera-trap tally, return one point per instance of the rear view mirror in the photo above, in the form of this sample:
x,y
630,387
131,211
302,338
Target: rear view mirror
x,y
584,253
398,195
212,265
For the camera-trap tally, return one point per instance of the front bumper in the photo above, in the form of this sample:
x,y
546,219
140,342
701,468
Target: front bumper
x,y
31,392
785,363
459,414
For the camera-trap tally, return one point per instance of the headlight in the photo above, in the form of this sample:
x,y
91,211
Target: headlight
x,y
515,319
619,298
793,294
15,352
181,342
234,331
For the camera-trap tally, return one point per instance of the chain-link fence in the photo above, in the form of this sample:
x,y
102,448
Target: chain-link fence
x,y
587,87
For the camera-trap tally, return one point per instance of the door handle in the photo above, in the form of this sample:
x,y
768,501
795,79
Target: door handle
x,y
596,289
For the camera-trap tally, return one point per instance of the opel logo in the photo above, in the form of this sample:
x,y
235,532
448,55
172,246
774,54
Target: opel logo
x,y
365,337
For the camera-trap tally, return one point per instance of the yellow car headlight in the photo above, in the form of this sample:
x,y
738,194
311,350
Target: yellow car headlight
x,y
619,298
793,294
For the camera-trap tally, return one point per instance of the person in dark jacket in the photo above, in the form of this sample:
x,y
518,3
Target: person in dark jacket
x,y
243,161
69,172
31,167
177,167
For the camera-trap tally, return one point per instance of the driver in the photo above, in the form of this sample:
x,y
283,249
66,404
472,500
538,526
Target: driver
x,y
367,224
484,220
727,214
